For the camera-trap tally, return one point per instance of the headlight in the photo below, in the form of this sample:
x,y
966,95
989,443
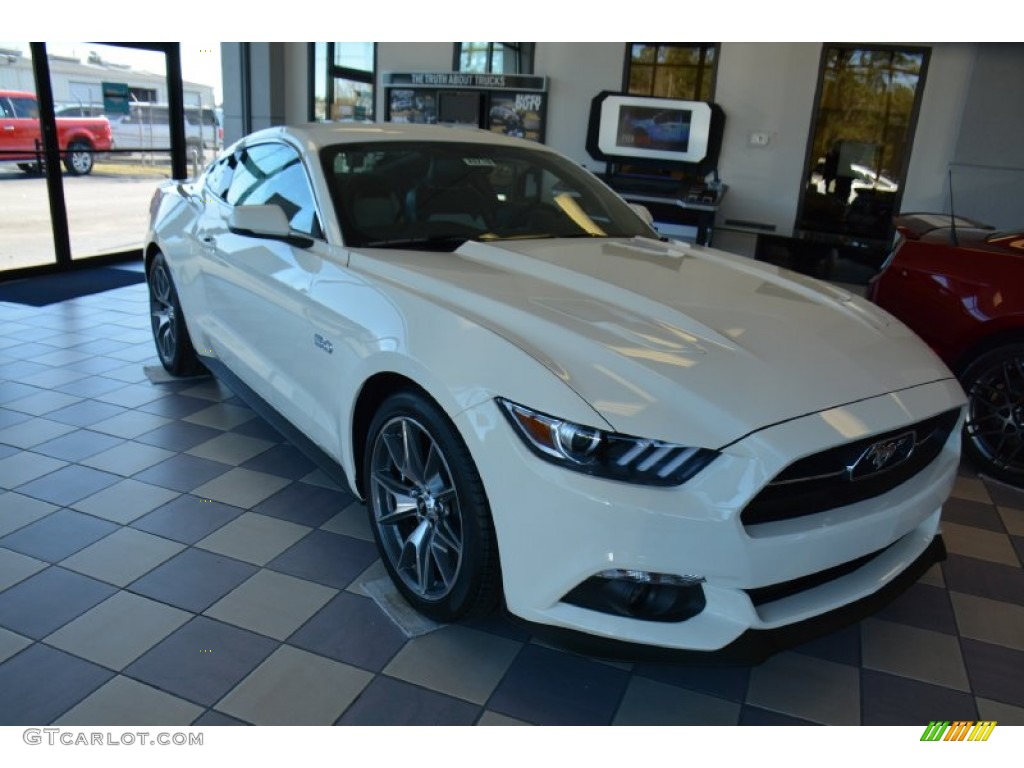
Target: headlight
x,y
605,454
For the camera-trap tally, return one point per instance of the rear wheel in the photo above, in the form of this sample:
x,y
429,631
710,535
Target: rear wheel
x,y
994,426
32,169
428,510
79,159
173,344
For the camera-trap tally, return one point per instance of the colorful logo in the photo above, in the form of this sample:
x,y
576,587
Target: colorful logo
x,y
959,730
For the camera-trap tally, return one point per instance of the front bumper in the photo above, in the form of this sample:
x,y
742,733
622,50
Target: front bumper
x,y
557,528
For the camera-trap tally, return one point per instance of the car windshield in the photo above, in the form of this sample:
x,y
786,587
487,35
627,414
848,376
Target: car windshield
x,y
437,195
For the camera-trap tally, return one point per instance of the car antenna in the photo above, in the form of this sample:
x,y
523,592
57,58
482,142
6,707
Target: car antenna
x,y
954,241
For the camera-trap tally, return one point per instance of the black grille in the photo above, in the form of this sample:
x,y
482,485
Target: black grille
x,y
823,481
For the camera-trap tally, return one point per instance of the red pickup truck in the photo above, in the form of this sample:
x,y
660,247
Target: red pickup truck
x,y
79,138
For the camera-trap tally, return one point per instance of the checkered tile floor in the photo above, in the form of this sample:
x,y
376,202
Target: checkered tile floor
x,y
165,558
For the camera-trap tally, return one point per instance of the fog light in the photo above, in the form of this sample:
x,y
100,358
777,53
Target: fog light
x,y
641,595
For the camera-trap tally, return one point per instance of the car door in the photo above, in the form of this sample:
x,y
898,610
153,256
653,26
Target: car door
x,y
257,289
19,125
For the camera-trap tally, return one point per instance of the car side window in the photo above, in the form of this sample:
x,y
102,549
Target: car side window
x,y
273,174
25,108
218,178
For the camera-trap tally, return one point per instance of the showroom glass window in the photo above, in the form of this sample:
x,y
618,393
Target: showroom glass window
x,y
672,70
494,58
341,76
273,174
862,130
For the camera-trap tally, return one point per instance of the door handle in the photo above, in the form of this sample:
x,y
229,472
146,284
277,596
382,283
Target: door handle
x,y
8,127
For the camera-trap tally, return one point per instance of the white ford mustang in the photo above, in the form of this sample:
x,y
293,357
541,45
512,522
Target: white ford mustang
x,y
543,402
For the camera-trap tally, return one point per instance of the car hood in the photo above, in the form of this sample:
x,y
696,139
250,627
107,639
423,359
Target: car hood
x,y
670,341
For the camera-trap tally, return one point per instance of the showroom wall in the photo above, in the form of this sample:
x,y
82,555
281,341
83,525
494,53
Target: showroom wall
x,y
971,110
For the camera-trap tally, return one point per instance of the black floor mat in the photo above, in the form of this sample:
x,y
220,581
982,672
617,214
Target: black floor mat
x,y
49,289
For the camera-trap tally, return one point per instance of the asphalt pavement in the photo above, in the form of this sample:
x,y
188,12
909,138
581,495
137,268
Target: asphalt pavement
x,y
108,211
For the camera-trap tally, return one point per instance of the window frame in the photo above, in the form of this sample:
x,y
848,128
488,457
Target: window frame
x,y
524,54
701,66
332,72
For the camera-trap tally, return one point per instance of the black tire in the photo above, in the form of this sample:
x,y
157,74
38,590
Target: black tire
x,y
32,169
170,333
994,426
429,512
79,158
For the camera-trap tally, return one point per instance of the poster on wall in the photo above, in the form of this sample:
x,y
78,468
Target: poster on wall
x,y
517,114
412,106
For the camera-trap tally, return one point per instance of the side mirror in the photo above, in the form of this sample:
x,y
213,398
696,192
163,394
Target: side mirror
x,y
265,221
643,213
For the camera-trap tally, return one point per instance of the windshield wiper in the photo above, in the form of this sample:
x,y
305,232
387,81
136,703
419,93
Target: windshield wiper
x,y
435,243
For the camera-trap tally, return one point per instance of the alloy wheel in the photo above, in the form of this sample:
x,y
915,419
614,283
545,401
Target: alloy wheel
x,y
416,508
161,309
995,413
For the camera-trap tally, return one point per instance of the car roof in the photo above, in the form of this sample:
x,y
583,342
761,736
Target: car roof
x,y
318,135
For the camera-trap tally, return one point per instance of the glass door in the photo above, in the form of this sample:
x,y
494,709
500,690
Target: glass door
x,y
27,239
868,99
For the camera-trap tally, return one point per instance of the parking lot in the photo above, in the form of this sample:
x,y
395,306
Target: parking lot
x,y
107,211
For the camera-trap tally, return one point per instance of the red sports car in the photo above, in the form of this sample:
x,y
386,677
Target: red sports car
x,y
960,286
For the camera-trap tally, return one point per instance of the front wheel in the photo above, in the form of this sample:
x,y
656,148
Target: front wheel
x,y
79,160
994,426
429,512
173,344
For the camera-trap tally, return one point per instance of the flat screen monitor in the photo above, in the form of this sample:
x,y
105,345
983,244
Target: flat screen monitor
x,y
459,108
639,127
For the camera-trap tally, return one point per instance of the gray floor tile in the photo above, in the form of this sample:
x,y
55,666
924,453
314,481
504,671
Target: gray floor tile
x,y
123,702
15,567
44,697
19,511
77,445
11,643
294,687
253,538
230,448
42,603
193,580
58,535
1004,714
495,718
128,458
130,424
118,630
123,556
41,403
27,434
85,413
187,519
305,504
990,621
23,467
202,661
386,701
182,473
125,501
68,485
808,688
460,662
647,702
352,629
979,543
242,487
932,657
1013,520
351,521
272,604
326,558
133,395
220,416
